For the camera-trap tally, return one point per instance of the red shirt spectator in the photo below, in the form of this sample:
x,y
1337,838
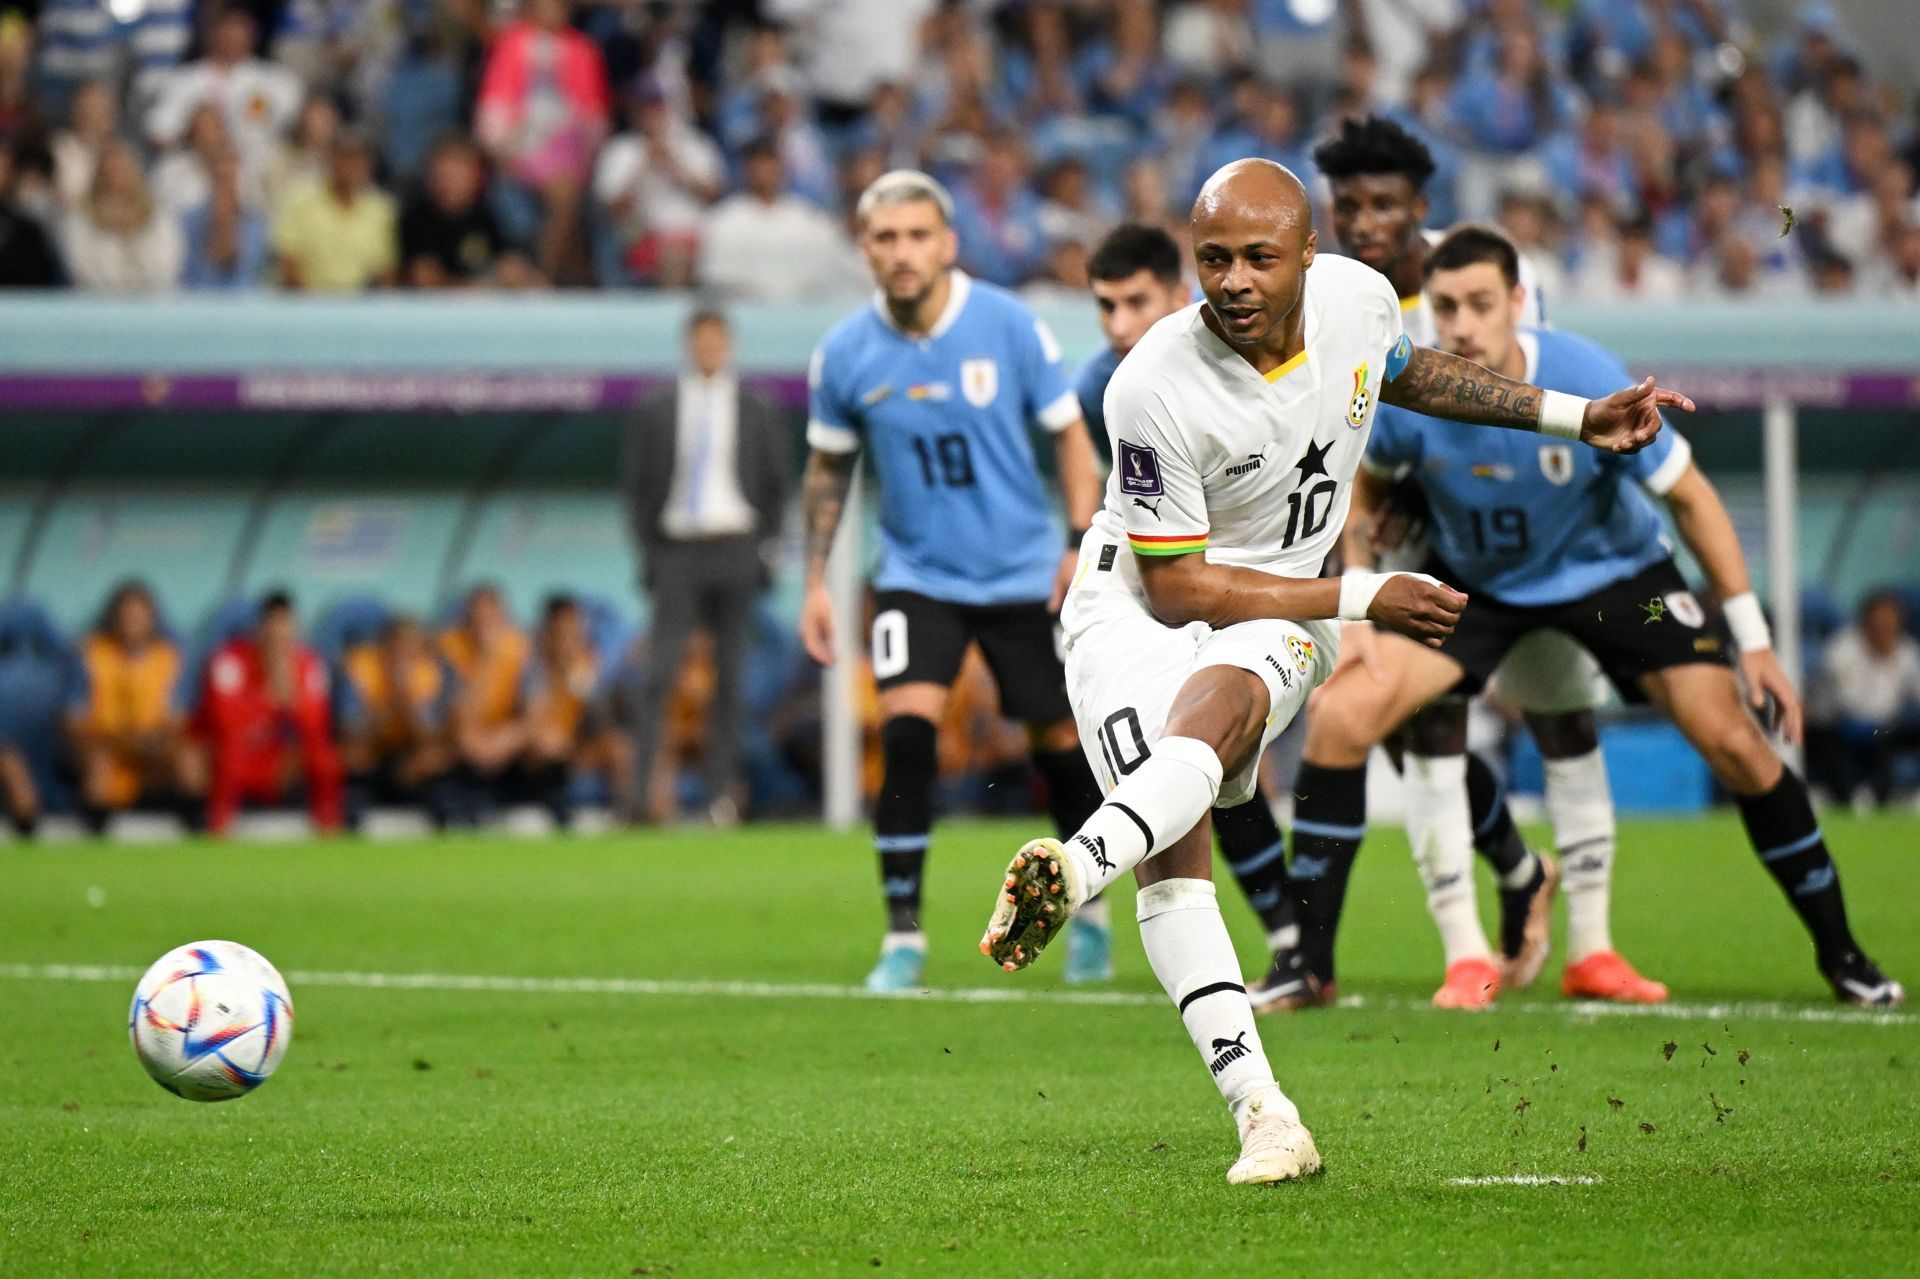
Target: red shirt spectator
x,y
265,718
544,103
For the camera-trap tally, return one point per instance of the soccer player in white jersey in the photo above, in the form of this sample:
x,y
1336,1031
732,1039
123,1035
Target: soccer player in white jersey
x,y
1377,173
1196,624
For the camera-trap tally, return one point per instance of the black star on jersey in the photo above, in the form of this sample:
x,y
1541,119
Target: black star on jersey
x,y
1315,461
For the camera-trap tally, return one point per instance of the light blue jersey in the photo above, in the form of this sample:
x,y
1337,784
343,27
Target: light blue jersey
x,y
1090,386
964,514
1535,521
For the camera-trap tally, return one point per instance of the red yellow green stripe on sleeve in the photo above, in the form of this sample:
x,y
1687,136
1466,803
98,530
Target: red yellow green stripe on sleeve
x,y
1168,544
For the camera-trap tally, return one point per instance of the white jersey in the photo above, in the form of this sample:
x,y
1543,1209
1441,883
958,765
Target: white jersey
x,y
1257,471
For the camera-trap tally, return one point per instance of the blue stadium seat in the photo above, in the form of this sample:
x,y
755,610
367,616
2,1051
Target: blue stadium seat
x,y
348,622
40,678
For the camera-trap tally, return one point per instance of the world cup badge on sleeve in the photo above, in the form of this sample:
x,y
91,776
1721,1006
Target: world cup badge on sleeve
x,y
1139,470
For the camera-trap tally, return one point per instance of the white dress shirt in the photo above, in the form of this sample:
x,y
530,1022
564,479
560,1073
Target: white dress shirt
x,y
705,498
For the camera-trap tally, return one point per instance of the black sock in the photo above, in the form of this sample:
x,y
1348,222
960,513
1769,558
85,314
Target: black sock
x,y
1494,836
903,815
1787,837
1253,847
1072,794
1329,821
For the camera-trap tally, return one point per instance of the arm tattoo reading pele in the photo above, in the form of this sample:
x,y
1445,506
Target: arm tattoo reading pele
x,y
823,495
1443,385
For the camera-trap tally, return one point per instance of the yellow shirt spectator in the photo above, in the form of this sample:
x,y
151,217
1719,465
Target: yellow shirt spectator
x,y
330,246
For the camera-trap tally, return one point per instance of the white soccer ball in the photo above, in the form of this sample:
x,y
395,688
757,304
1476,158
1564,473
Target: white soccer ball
x,y
211,1020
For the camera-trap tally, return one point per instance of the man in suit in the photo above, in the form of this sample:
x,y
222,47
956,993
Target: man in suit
x,y
705,467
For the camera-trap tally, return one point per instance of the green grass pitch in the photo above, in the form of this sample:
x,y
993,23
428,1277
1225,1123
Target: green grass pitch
x,y
720,1105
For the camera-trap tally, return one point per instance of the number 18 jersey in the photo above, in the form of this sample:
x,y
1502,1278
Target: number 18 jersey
x,y
948,421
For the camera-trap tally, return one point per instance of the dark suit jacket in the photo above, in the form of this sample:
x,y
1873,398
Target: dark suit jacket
x,y
763,465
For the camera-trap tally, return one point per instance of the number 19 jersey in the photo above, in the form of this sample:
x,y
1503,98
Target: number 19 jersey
x,y
947,419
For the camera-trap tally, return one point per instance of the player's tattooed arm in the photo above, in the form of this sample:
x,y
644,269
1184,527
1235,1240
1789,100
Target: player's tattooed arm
x,y
1442,385
823,491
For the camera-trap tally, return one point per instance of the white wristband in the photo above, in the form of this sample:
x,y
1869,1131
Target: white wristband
x,y
1357,589
1747,622
1562,415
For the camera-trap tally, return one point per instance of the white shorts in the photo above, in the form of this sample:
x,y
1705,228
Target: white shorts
x,y
1548,673
1124,669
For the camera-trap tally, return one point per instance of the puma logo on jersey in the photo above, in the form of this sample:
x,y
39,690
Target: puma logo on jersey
x,y
1151,508
1247,467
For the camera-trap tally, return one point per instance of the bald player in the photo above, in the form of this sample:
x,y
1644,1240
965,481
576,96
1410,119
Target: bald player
x,y
1197,623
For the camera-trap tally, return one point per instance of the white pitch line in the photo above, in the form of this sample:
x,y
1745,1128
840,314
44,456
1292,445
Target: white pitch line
x,y
668,988
1525,1179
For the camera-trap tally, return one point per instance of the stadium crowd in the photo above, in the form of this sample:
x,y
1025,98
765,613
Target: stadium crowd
x,y
1651,149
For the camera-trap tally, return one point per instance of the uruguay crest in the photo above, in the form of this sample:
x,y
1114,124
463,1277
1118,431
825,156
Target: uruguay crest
x,y
1362,398
1556,462
979,381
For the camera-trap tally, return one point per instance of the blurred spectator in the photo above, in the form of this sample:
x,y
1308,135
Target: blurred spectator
x,y
1687,234
118,241
183,178
1064,278
889,127
1506,114
302,156
1402,36
1860,227
228,245
411,81
1070,208
1533,223
28,259
394,732
1815,115
1632,272
997,216
737,113
1210,39
543,111
1899,279
130,736
20,116
1592,160
1864,150
1733,270
1182,132
448,237
93,124
1268,125
781,114
338,234
264,716
1831,274
257,98
653,185
766,244
488,656
567,729
706,466
1869,699
849,48
86,40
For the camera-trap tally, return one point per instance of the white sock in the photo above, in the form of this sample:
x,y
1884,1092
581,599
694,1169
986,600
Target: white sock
x,y
1186,942
1440,824
1095,912
1580,805
1287,938
911,941
1152,807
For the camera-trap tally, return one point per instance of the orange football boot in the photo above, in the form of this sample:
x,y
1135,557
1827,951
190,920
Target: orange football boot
x,y
1606,974
1471,984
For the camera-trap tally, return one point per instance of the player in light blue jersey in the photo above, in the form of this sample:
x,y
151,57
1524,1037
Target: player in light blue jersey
x,y
1543,536
1137,281
941,381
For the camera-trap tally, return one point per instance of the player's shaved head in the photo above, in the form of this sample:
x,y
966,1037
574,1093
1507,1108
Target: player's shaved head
x,y
1252,244
1257,190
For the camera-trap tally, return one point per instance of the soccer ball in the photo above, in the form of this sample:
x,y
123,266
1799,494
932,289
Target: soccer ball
x,y
211,1020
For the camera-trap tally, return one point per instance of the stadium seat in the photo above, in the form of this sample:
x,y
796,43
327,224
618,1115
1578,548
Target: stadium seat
x,y
40,678
346,623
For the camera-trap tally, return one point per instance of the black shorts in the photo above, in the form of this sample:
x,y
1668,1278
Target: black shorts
x,y
1641,624
921,640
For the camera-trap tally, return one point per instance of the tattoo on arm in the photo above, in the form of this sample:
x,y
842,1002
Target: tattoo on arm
x,y
823,497
1443,385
